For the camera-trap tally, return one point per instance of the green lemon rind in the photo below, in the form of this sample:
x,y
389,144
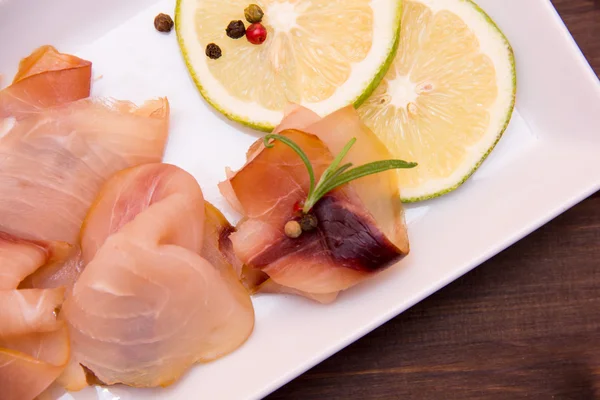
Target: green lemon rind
x,y
509,114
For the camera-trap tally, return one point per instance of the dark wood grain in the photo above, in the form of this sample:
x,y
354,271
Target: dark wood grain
x,y
525,325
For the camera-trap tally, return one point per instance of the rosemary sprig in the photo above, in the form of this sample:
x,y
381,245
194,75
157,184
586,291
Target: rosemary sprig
x,y
335,176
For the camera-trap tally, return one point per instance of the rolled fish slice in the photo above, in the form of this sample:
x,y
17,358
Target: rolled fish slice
x,y
121,199
148,305
30,363
362,229
29,310
57,274
132,191
34,344
20,258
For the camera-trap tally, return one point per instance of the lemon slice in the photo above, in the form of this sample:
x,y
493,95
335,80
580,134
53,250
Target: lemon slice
x,y
448,97
322,54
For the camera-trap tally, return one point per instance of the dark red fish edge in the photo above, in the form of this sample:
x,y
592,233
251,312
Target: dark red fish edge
x,y
343,236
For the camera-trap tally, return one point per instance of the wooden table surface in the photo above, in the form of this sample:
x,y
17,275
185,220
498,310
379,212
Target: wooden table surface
x,y
525,324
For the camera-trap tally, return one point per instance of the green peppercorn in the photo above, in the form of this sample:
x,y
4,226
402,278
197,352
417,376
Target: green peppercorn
x,y
236,29
253,13
213,51
308,222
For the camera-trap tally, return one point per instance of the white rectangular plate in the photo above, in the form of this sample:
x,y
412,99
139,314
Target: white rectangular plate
x,y
548,161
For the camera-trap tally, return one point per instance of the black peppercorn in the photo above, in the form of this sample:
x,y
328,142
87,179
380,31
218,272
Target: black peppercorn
x,y
235,29
308,222
213,51
163,23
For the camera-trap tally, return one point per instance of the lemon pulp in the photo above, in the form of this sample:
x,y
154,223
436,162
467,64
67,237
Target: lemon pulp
x,y
447,97
322,54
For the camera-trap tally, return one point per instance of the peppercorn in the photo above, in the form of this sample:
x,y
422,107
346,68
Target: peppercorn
x,y
256,33
163,23
292,229
213,51
253,13
235,29
308,222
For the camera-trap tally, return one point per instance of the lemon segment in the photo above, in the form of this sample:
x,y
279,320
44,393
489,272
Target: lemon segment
x,y
448,96
322,54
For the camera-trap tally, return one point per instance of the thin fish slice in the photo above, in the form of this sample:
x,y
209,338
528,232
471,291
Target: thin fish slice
x,y
20,259
29,310
46,78
31,362
34,345
133,190
53,164
58,274
121,199
216,246
148,306
361,225
379,193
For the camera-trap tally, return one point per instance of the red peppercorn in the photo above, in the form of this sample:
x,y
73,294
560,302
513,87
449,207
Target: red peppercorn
x,y
256,33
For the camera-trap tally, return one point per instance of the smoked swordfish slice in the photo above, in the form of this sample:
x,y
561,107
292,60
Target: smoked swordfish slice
x,y
34,344
19,258
57,148
63,145
30,363
149,304
133,190
46,78
361,228
52,164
